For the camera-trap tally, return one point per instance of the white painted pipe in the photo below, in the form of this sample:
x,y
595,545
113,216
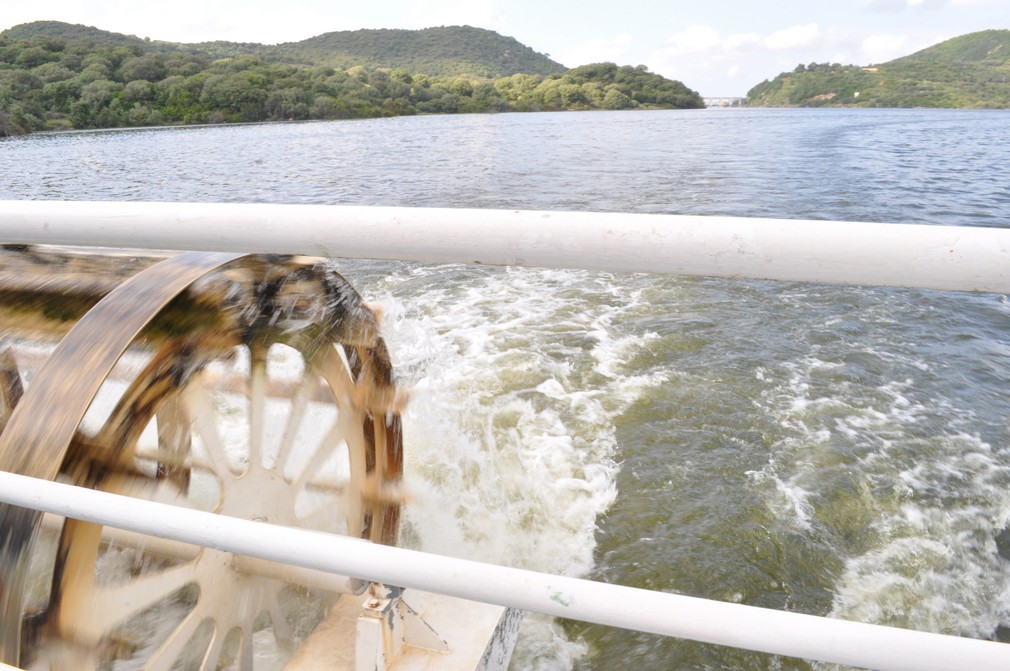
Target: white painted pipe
x,y
253,566
904,255
792,634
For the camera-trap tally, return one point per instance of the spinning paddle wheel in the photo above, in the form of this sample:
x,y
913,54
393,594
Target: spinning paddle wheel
x,y
251,386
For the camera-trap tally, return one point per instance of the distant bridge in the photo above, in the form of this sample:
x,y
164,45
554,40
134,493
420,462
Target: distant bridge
x,y
722,101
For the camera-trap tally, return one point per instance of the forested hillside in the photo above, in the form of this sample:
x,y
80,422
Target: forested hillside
x,y
453,50
443,51
56,76
968,71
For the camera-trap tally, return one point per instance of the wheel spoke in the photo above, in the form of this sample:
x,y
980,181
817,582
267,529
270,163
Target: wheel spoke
x,y
246,650
200,405
299,404
281,628
214,647
165,657
323,450
257,397
113,604
174,442
333,369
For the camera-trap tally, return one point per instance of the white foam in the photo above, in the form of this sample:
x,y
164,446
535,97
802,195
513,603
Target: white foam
x,y
931,562
791,501
936,567
518,377
935,497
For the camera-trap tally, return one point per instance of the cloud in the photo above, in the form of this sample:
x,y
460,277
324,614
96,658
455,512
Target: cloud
x,y
882,48
611,49
885,5
694,39
742,41
902,5
793,37
707,40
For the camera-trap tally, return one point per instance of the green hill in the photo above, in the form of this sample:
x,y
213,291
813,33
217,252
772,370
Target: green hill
x,y
968,71
56,76
57,30
452,50
443,51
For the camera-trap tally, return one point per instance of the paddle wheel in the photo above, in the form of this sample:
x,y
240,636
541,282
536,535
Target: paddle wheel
x,y
252,386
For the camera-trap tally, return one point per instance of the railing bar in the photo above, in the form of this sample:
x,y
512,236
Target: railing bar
x,y
778,632
957,258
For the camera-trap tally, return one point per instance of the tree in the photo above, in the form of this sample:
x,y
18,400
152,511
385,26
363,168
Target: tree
x,y
59,96
616,100
34,56
138,90
461,87
53,72
148,67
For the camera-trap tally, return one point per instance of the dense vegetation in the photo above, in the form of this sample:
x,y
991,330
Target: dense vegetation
x,y
447,50
454,50
55,76
968,71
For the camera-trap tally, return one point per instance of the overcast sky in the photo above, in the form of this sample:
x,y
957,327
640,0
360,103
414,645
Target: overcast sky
x,y
716,47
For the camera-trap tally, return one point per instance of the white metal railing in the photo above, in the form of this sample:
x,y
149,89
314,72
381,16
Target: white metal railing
x,y
778,632
902,255
933,257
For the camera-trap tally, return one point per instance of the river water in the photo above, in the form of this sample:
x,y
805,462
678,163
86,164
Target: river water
x,y
830,450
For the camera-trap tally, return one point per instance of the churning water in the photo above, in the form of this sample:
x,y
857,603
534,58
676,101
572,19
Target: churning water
x,y
831,450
